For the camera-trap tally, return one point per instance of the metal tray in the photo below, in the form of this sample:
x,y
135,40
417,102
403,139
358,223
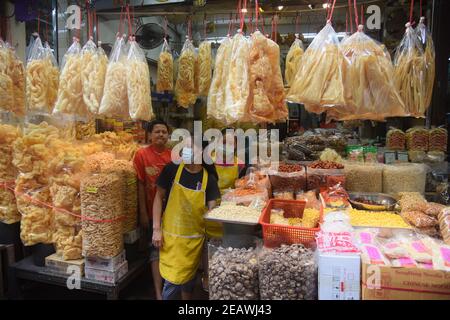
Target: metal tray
x,y
230,221
384,202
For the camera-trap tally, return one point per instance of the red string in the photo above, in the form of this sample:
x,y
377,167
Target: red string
x,y
165,27
251,23
356,14
121,22
328,8
350,15
242,15
79,30
362,14
411,12
297,23
230,24
331,11
133,20
129,21
256,15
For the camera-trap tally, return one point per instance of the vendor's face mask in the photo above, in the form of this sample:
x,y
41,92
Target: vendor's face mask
x,y
187,155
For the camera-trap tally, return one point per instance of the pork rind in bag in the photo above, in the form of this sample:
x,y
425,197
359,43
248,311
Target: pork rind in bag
x,y
267,97
94,63
205,68
319,82
53,75
216,96
164,81
185,89
293,60
369,80
237,87
8,173
430,59
6,83
115,95
138,83
410,73
16,71
70,92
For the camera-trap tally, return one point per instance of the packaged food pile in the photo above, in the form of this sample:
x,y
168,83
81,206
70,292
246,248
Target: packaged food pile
x,y
288,177
324,174
438,138
395,139
404,177
8,174
417,139
363,177
164,81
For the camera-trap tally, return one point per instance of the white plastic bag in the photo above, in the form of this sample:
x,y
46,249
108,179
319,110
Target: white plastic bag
x,y
293,60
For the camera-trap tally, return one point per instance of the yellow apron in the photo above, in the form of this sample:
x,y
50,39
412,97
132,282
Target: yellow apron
x,y
183,231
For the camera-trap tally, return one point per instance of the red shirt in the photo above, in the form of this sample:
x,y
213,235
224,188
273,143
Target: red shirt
x,y
149,163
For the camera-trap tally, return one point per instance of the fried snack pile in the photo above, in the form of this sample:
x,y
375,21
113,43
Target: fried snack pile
x,y
185,89
70,92
293,61
8,174
16,72
237,89
266,83
6,83
121,144
42,80
115,98
138,83
164,81
126,173
319,82
93,71
205,68
369,87
410,74
66,169
216,96
101,203
32,154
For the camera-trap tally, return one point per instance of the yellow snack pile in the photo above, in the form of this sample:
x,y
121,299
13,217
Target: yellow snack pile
x,y
185,89
93,75
362,218
205,68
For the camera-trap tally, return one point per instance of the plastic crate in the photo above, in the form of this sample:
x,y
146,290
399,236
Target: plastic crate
x,y
275,235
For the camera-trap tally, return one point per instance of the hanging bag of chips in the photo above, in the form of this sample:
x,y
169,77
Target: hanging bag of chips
x,y
185,88
164,81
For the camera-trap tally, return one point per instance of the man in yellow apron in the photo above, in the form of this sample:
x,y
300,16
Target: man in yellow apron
x,y
181,234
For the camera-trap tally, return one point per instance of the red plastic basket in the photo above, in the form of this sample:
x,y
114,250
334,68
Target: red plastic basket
x,y
275,235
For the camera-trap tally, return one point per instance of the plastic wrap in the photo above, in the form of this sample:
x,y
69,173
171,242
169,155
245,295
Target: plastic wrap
x,y
441,258
438,139
164,81
412,201
319,82
40,76
205,68
286,179
369,81
372,254
417,139
288,273
293,60
324,178
364,177
444,224
101,204
419,219
267,96
430,59
237,86
410,73
185,90
16,71
8,173
409,177
6,82
53,75
115,94
93,72
138,83
70,92
395,139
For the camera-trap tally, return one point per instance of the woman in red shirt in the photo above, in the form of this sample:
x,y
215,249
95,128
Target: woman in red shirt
x,y
149,162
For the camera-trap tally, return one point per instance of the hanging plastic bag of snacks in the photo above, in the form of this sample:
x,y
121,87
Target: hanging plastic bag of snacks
x,y
165,72
52,74
185,90
205,67
430,58
94,63
138,83
293,60
410,73
16,72
115,95
6,83
70,93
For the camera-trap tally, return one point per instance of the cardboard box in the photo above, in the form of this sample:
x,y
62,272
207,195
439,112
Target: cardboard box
x,y
56,264
107,276
112,264
404,283
339,276
132,236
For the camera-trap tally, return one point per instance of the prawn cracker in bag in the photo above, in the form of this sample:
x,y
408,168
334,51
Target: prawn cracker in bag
x,y
164,81
293,60
205,67
185,87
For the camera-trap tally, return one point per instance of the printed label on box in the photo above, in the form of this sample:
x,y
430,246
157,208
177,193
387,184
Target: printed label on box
x,y
366,238
419,247
374,255
445,252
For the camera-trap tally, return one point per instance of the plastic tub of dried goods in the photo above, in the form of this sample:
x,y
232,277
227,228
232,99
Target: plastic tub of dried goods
x,y
404,177
288,178
360,177
275,235
324,178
